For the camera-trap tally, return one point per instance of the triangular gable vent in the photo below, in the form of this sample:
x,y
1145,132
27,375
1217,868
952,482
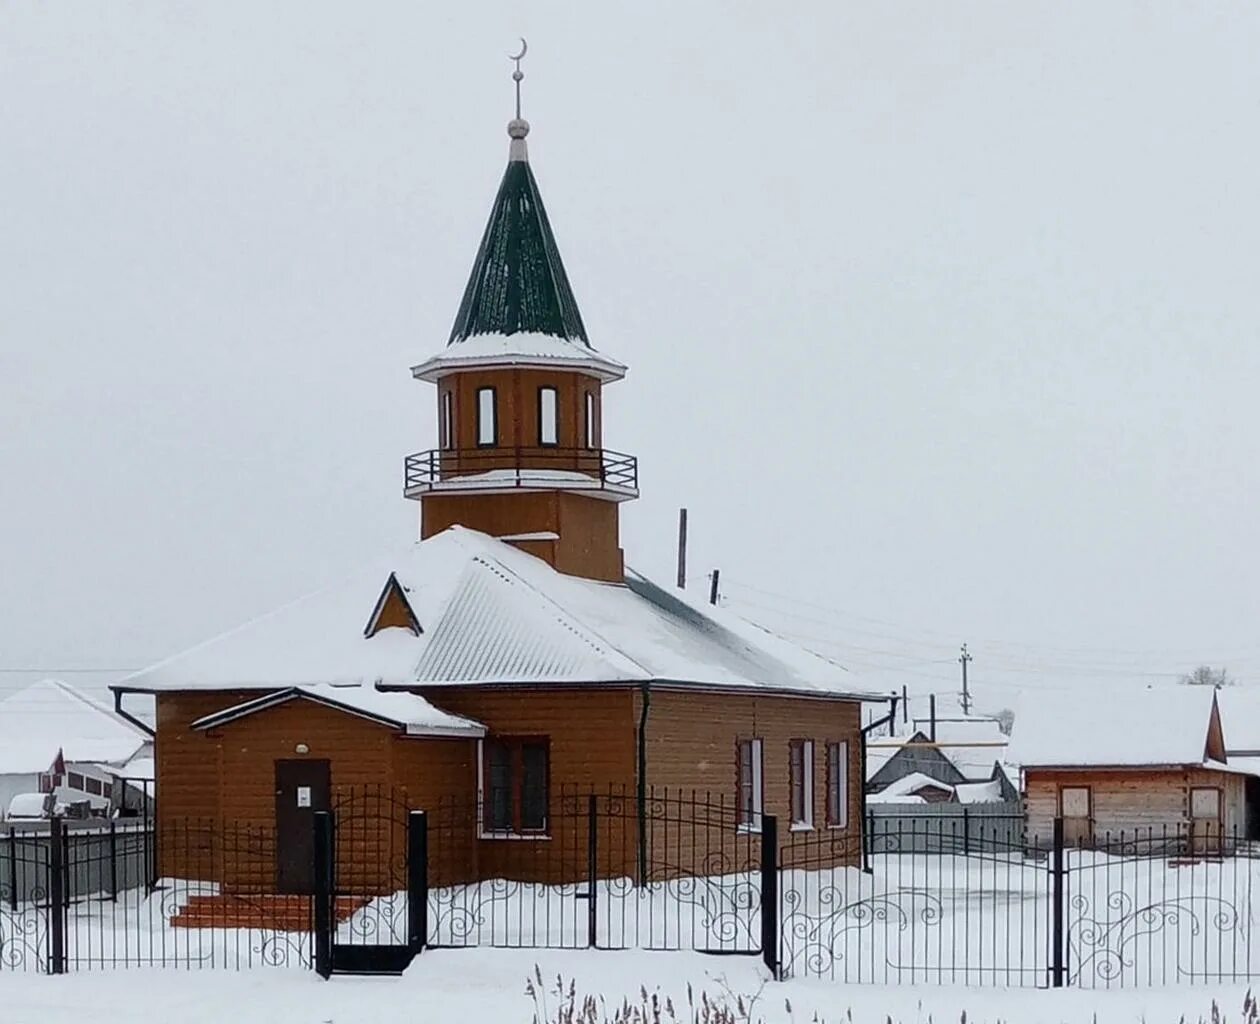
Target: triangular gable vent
x,y
392,609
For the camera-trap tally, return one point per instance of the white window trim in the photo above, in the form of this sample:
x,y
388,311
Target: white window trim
x,y
447,422
758,787
805,824
482,831
483,419
843,823
544,421
589,413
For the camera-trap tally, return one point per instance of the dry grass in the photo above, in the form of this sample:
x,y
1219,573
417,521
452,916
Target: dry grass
x,y
560,1003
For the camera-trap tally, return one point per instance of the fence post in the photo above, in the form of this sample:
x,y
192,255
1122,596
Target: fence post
x,y
57,895
592,866
324,896
1057,895
417,880
113,861
966,832
13,893
770,893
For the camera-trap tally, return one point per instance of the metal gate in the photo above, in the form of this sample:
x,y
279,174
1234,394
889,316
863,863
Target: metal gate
x,y
1162,907
370,861
26,899
938,904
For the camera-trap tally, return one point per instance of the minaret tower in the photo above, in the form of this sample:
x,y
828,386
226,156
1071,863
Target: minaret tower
x,y
520,451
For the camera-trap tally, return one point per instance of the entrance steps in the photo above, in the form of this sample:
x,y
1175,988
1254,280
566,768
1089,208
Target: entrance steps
x,y
264,911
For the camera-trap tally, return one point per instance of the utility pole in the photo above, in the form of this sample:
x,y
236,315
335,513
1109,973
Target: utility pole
x,y
682,549
713,585
963,660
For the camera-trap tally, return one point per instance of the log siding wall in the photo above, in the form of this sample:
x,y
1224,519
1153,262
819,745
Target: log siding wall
x,y
1130,800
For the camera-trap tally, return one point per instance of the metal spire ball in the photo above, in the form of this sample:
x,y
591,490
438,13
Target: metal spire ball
x,y
518,127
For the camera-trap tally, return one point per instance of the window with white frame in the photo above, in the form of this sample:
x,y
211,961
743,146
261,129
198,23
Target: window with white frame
x,y
750,796
446,428
838,785
801,775
548,417
487,418
590,419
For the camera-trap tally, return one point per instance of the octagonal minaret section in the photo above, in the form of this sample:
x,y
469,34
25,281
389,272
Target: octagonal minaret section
x,y
520,452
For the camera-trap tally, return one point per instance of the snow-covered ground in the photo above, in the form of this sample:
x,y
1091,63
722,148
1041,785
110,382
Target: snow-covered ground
x,y
489,985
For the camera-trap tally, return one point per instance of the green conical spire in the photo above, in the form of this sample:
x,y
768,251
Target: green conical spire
x,y
518,283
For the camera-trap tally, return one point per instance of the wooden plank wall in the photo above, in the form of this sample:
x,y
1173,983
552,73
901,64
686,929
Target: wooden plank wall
x,y
593,747
1129,801
691,744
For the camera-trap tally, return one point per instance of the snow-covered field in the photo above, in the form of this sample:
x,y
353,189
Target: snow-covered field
x,y
489,985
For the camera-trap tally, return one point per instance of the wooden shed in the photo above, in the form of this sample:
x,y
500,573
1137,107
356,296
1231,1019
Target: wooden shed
x,y
1141,771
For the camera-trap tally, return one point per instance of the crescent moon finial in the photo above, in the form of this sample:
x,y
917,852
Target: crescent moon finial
x,y
517,75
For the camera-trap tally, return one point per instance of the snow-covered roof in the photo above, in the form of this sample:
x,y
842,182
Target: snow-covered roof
x,y
894,798
1240,719
414,715
979,792
915,782
1165,726
52,717
490,613
29,805
138,768
955,739
519,349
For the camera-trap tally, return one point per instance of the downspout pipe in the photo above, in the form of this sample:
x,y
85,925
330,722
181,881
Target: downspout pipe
x,y
127,716
879,723
645,692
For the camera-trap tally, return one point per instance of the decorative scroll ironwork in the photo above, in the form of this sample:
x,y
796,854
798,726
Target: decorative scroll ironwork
x,y
1103,937
814,940
24,932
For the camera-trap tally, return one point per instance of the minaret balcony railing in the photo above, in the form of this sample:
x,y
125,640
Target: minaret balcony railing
x,y
612,475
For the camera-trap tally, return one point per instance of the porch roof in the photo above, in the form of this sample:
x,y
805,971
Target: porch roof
x,y
414,715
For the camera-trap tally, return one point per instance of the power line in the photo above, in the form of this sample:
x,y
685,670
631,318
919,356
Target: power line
x,y
1250,651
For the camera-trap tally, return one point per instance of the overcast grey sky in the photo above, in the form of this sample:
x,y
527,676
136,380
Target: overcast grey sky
x,y
940,317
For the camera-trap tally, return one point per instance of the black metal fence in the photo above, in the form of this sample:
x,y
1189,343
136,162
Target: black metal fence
x,y
921,903
191,893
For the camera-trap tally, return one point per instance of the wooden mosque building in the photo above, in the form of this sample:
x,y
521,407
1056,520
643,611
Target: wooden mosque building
x,y
507,660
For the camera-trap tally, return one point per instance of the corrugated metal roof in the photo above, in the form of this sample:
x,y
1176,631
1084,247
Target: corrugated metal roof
x,y
496,629
490,613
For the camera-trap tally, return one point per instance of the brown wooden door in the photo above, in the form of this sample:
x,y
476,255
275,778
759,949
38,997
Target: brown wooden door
x,y
302,788
1076,805
1207,819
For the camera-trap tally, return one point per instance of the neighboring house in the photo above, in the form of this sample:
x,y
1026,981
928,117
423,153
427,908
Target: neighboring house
x,y
509,655
1128,768
1240,720
55,739
971,750
914,788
